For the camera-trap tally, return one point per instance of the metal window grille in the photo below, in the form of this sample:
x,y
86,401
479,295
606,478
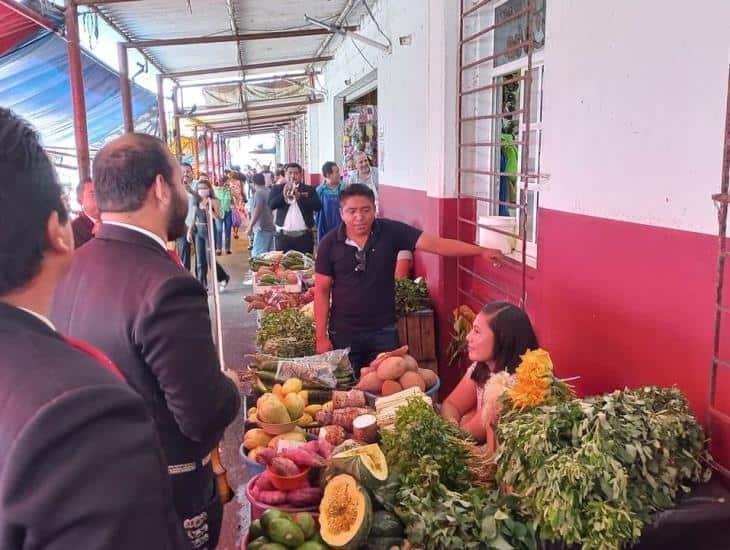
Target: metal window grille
x,y
495,34
721,200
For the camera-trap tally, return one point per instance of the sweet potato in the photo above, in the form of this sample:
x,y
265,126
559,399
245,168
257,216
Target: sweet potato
x,y
304,497
265,456
392,368
325,448
390,387
303,458
366,370
370,383
412,379
428,376
284,467
410,363
273,498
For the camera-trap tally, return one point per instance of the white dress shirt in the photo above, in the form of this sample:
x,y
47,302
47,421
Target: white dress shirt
x,y
39,317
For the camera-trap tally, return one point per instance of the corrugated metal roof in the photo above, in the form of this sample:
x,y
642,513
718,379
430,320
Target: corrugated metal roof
x,y
163,19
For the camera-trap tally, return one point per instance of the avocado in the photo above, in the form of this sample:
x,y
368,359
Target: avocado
x,y
305,523
270,515
257,543
286,532
256,530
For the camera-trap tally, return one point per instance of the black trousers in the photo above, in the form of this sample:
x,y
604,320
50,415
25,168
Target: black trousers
x,y
304,243
198,506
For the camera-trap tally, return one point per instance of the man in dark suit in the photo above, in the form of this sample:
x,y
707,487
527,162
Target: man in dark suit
x,y
295,204
128,297
83,226
80,462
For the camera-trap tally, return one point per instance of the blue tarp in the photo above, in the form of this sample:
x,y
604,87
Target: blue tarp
x,y
34,83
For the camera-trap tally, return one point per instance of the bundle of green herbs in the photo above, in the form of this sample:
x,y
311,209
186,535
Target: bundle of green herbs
x,y
591,471
286,333
431,491
411,296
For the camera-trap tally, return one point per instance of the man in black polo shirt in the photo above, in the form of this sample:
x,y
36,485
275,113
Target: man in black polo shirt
x,y
355,267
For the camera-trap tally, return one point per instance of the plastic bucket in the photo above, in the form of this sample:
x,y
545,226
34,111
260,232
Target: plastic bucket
x,y
493,239
252,467
258,508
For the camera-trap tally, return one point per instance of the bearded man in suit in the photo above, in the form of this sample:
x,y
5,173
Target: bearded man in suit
x,y
126,295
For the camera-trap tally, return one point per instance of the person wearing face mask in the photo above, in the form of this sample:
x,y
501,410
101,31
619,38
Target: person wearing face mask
x,y
199,232
127,296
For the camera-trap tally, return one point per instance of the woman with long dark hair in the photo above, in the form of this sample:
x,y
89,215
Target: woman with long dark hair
x,y
500,334
199,232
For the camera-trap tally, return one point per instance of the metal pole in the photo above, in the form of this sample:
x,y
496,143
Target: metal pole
x,y
178,138
125,88
205,152
213,156
196,153
76,77
161,107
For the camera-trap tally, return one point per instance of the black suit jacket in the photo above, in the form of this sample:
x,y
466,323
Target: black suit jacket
x,y
308,205
80,462
83,228
126,296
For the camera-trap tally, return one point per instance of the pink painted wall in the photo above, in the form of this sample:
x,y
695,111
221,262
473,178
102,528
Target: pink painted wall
x,y
618,303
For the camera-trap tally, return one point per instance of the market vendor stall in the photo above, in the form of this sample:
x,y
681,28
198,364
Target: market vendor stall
x,y
377,466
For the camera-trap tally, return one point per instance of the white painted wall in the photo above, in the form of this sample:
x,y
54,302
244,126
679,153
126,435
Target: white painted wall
x,y
416,94
635,98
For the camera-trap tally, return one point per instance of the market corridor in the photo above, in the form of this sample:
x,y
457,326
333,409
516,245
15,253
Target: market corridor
x,y
239,330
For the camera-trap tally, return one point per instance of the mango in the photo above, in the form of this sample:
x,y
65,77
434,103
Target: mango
x,y
256,438
305,420
312,410
278,391
273,411
293,385
304,394
252,454
294,405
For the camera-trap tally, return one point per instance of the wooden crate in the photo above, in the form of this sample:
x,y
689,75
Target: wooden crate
x,y
418,331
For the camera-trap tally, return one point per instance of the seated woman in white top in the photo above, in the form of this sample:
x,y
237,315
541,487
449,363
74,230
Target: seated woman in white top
x,y
500,334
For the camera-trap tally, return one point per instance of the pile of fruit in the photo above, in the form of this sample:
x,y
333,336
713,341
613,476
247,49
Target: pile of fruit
x,y
285,403
277,530
395,371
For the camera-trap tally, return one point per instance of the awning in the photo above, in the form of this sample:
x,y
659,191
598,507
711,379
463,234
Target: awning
x,y
34,83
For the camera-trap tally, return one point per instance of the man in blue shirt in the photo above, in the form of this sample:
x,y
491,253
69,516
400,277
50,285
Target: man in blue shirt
x,y
329,191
